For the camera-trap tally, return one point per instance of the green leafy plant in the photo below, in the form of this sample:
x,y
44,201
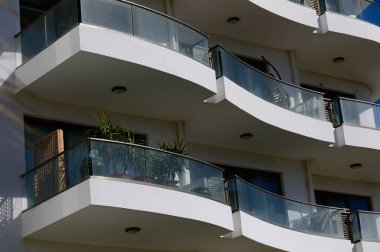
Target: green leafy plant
x,y
166,168
110,158
173,146
107,128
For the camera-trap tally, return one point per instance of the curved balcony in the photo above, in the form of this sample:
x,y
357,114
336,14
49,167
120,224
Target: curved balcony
x,y
286,213
357,123
96,157
365,10
121,16
290,97
356,113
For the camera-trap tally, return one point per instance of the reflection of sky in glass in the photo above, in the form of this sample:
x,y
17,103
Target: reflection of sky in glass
x,y
371,13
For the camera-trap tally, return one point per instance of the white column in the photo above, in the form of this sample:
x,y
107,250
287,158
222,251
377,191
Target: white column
x,y
294,68
309,181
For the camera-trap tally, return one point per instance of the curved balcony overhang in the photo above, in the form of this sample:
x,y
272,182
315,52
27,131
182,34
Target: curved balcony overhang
x,y
91,193
167,69
333,22
274,102
357,123
98,210
274,27
281,239
284,224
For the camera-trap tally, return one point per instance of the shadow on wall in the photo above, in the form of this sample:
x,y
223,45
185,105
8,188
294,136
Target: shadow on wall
x,y
12,165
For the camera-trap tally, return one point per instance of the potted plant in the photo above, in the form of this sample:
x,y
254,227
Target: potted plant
x,y
107,158
166,168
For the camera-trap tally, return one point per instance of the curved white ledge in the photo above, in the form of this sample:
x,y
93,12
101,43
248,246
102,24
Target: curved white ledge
x,y
289,10
286,239
273,114
117,204
333,22
347,135
86,39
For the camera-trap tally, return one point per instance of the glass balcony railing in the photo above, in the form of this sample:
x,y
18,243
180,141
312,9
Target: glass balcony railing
x,y
356,113
96,157
277,92
365,10
366,226
300,2
284,212
117,15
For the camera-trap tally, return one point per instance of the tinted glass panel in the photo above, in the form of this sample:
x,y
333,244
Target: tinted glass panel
x,y
352,202
269,181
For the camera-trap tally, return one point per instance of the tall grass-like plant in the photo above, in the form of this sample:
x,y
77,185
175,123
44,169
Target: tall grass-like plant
x,y
107,128
111,158
175,146
166,168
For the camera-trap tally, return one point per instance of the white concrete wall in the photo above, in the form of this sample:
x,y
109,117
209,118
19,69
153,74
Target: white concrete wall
x,y
349,187
12,165
361,91
9,27
292,172
155,129
280,59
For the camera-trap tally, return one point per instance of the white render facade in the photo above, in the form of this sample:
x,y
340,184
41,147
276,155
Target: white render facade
x,y
303,124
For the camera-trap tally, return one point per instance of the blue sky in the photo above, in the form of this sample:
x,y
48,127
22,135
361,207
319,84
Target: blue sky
x,y
372,13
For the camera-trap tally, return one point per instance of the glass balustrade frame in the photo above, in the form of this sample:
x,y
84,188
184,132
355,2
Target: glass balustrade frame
x,y
356,113
337,6
106,158
365,226
187,40
297,99
304,224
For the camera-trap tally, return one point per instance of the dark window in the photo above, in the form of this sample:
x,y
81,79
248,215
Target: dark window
x,y
329,94
352,202
30,10
258,64
270,181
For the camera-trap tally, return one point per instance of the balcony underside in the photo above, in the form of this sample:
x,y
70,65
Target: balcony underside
x,y
284,239
98,210
275,134
262,22
82,67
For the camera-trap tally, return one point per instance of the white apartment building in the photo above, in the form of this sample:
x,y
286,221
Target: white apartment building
x,y
273,100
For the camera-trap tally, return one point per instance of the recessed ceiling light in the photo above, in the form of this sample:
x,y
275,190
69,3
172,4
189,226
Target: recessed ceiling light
x,y
356,166
118,89
233,20
132,230
338,60
246,136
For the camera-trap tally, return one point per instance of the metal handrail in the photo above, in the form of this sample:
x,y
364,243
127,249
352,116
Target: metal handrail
x,y
122,143
358,101
124,1
262,73
282,197
164,15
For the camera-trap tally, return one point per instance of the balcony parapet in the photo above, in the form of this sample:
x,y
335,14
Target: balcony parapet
x,y
110,159
283,212
365,10
121,16
285,95
366,226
